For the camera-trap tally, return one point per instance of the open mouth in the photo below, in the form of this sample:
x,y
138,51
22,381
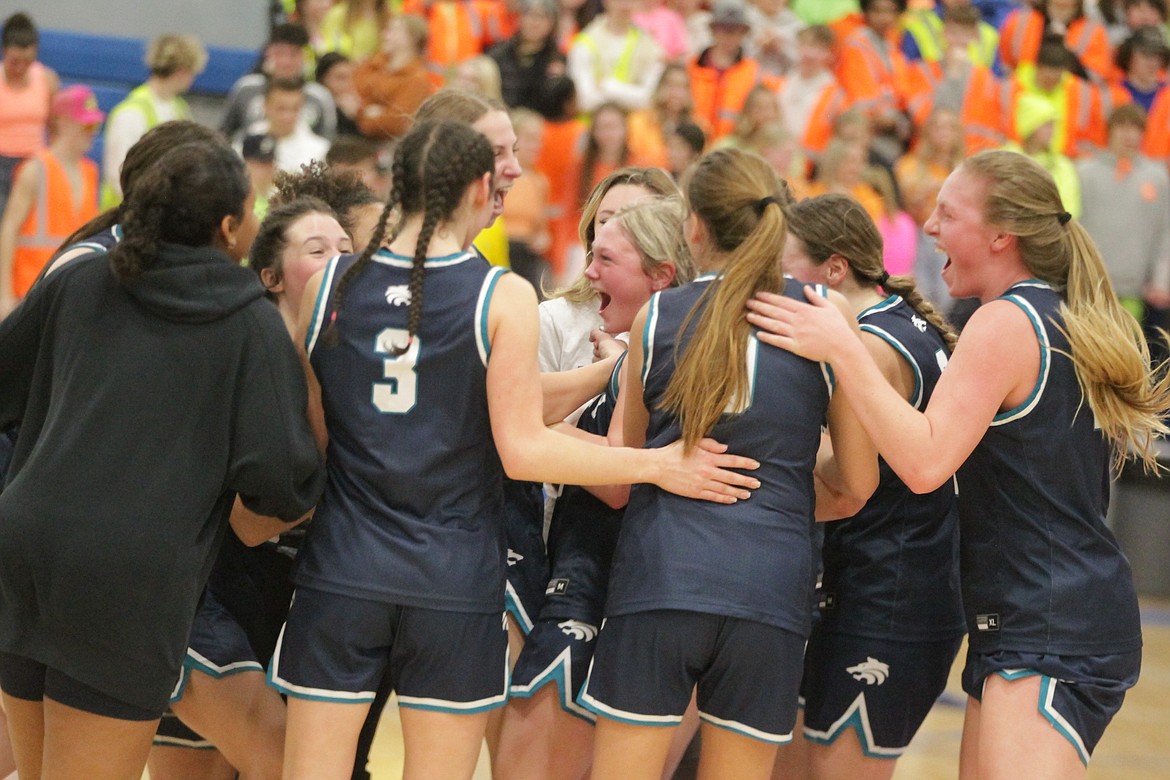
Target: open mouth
x,y
605,301
498,202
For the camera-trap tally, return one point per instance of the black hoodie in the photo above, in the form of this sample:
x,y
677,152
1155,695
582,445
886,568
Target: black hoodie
x,y
145,407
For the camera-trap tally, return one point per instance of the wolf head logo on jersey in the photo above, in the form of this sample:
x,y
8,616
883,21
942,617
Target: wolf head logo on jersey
x,y
871,671
578,630
398,295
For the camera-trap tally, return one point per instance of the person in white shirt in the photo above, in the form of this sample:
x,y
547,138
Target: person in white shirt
x,y
613,60
296,143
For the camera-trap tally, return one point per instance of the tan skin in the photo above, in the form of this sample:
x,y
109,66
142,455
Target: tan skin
x,y
994,368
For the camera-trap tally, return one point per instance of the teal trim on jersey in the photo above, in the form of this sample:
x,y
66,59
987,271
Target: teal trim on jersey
x,y
648,336
707,277
1045,359
319,306
117,231
905,353
614,380
557,674
484,305
1058,721
888,303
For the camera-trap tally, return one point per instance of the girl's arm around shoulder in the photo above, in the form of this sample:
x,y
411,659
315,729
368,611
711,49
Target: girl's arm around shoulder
x,y
314,410
995,366
531,451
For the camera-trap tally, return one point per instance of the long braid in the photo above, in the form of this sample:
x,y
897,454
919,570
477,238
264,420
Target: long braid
x,y
352,272
906,287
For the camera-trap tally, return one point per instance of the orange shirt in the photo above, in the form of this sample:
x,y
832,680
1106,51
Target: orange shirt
x,y
24,113
560,162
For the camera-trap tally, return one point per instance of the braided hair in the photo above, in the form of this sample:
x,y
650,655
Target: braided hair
x,y
433,166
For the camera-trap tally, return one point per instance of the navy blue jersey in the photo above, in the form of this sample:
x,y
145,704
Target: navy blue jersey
x,y
752,559
413,506
583,533
892,571
1041,573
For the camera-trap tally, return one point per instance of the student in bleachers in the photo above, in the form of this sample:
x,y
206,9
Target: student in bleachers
x,y
54,193
923,38
526,209
697,19
174,62
1126,198
335,73
296,143
26,90
810,97
760,109
530,58
560,162
842,170
1025,29
354,27
310,14
667,26
780,149
478,74
958,83
651,128
1123,17
1035,126
459,29
1076,103
723,76
1142,59
394,82
613,60
284,58
772,41
683,147
607,148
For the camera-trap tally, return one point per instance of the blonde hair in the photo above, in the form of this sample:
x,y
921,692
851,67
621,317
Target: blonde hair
x,y
654,180
725,191
1106,344
654,227
487,75
170,53
835,224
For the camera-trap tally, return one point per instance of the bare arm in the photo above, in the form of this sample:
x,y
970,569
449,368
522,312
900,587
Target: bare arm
x,y
20,205
254,529
995,366
564,391
531,451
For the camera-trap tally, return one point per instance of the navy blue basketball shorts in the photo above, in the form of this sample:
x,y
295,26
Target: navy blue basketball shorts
x,y
880,688
24,678
747,673
218,646
337,648
557,652
527,560
1079,694
172,732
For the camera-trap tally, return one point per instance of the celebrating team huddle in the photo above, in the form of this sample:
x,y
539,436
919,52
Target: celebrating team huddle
x,y
734,401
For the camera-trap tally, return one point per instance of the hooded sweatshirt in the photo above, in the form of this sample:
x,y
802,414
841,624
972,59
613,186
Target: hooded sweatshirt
x,y
145,406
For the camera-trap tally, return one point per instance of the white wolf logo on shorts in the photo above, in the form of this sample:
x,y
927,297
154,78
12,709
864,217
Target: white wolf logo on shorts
x,y
871,671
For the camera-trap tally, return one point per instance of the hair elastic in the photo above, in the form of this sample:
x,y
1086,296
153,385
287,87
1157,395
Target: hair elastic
x,y
883,277
763,202
1063,217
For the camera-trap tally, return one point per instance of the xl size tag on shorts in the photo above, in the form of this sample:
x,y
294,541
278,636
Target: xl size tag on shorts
x,y
556,587
987,622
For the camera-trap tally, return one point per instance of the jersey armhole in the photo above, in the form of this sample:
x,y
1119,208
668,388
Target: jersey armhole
x,y
482,306
898,346
323,295
648,337
1045,360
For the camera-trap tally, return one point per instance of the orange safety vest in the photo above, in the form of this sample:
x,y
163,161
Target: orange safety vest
x,y
873,73
53,218
1023,31
979,113
719,95
1156,143
1079,118
819,130
459,29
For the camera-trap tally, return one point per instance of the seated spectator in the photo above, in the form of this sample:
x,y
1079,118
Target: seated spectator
x,y
394,82
1126,199
779,147
842,169
311,14
772,42
922,39
1143,59
335,73
459,29
760,109
174,62
479,75
958,83
526,209
560,162
368,159
606,148
697,19
1123,17
354,27
684,145
722,77
1026,28
1080,124
810,97
284,58
650,128
530,58
666,25
614,61
1035,121
296,143
899,233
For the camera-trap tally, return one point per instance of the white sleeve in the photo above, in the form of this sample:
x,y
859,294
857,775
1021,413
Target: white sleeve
x,y
123,130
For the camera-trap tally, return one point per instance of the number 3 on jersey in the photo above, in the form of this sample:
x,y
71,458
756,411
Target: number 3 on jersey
x,y
397,395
